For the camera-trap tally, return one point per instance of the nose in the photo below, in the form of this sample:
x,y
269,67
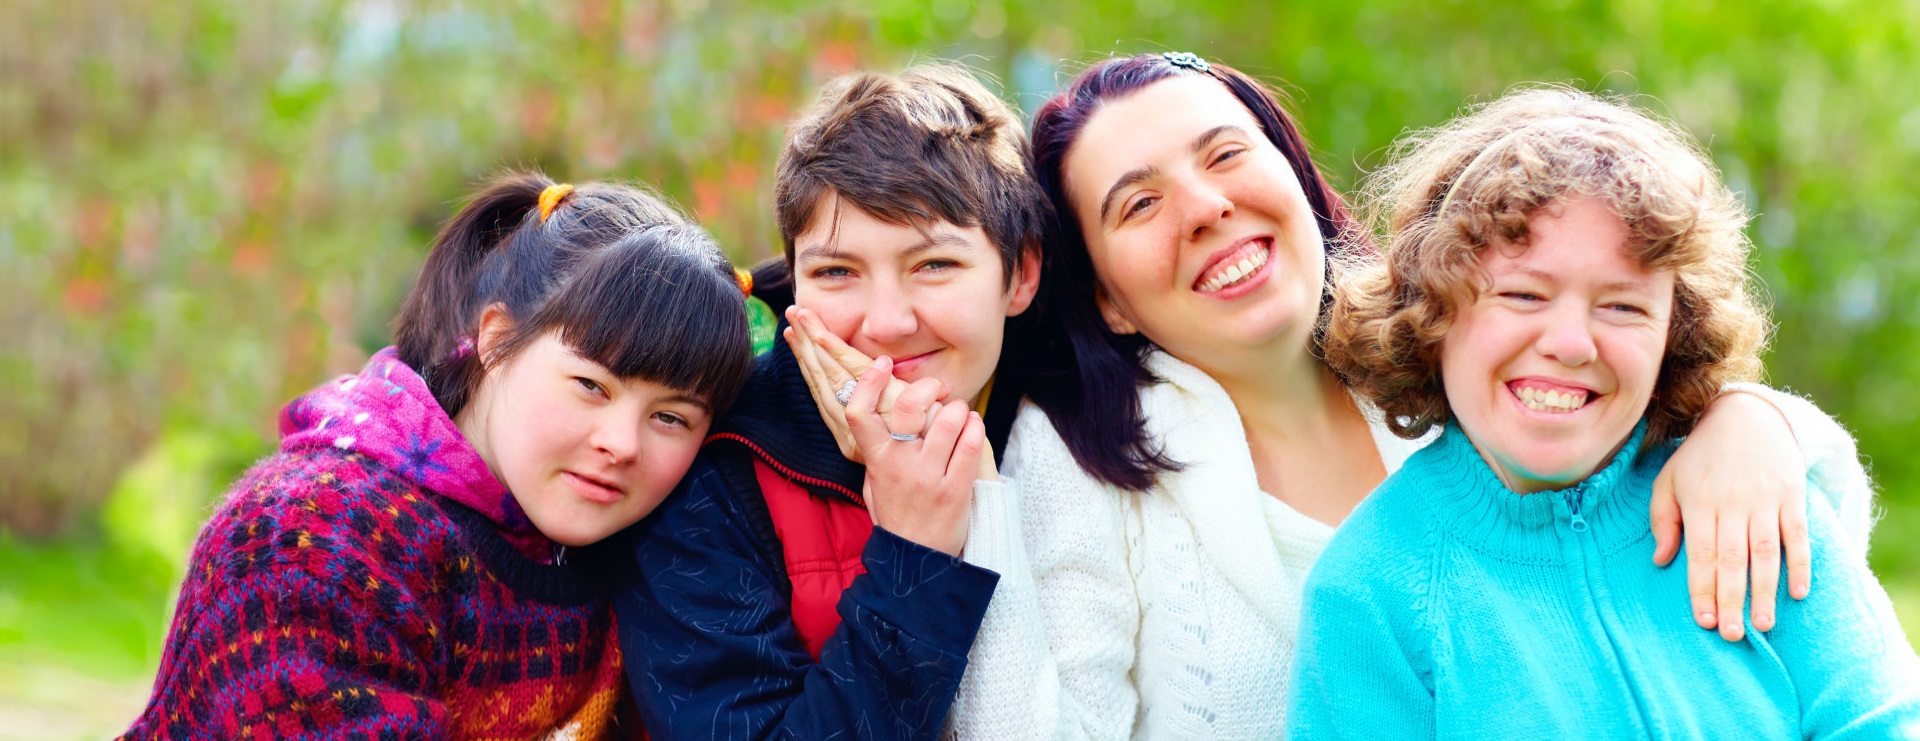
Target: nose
x,y
1204,207
1568,337
890,313
618,438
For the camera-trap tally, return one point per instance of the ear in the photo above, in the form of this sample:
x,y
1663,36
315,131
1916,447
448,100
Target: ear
x,y
1026,280
495,325
1117,321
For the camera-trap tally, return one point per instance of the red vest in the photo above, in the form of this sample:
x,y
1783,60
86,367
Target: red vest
x,y
822,539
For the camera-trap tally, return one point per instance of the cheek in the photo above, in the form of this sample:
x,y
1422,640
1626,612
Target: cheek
x,y
841,311
668,464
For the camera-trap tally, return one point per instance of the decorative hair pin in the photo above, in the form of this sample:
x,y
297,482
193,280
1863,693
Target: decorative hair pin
x,y
745,279
551,197
1187,60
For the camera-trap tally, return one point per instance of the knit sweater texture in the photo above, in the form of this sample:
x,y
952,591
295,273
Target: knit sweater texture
x,y
1174,613
373,579
1449,606
712,646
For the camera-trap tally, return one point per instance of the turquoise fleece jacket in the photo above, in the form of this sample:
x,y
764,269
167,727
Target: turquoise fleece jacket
x,y
1450,607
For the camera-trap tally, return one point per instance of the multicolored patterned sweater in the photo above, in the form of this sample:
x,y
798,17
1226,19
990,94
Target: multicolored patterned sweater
x,y
374,580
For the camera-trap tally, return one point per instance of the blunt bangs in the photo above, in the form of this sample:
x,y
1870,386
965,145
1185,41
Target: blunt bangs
x,y
660,305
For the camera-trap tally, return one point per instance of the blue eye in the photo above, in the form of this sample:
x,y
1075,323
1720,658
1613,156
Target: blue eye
x,y
1628,309
832,271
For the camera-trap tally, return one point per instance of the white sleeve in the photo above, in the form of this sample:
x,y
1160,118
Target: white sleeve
x,y
1834,469
1055,653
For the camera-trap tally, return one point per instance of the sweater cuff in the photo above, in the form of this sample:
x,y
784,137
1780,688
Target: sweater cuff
x,y
925,593
994,537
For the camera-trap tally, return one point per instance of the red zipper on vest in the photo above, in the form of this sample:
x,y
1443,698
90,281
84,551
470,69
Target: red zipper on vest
x,y
788,472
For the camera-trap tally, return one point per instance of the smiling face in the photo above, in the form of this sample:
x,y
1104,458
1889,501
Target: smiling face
x,y
583,452
934,302
1196,225
1550,368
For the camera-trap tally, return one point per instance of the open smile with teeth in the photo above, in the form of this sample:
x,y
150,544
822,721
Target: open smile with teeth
x,y
1236,267
1550,401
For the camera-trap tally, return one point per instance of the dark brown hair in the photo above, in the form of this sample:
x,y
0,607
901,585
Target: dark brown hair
x,y
624,278
929,145
1085,376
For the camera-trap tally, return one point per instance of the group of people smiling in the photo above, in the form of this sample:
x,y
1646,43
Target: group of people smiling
x,y
1124,427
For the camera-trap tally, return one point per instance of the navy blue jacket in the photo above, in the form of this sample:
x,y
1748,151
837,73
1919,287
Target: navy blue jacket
x,y
710,646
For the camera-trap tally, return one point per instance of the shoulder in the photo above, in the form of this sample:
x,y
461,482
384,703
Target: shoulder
x,y
1184,395
1384,549
1042,467
325,511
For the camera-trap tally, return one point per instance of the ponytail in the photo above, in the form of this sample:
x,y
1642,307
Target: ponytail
x,y
444,306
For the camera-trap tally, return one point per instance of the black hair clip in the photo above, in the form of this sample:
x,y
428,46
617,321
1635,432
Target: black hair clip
x,y
1187,60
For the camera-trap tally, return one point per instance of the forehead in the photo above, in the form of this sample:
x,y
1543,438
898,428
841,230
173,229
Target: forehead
x,y
1150,125
1580,239
842,231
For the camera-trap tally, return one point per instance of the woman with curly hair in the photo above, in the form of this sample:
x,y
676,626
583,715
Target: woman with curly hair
x,y
1564,293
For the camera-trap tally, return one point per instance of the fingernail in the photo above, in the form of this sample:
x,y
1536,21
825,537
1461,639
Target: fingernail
x,y
1706,618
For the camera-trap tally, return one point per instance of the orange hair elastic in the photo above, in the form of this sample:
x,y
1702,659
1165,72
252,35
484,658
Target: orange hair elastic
x,y
551,197
745,279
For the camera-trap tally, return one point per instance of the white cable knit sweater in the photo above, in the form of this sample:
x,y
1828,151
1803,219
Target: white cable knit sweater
x,y
1170,614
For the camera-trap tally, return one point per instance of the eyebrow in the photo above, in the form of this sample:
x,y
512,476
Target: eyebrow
x,y
933,240
687,399
1138,174
1620,285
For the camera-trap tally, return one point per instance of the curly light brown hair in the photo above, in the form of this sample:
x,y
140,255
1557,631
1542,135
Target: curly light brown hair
x,y
1451,191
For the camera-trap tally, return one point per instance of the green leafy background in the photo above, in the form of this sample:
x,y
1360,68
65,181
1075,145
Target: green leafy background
x,y
207,206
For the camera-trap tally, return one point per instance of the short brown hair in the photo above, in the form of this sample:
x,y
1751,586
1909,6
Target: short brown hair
x,y
1453,190
928,145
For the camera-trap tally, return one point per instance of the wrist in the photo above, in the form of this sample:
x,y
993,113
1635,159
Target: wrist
x,y
1740,395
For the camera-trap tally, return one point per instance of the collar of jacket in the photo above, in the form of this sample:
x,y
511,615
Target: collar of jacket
x,y
775,418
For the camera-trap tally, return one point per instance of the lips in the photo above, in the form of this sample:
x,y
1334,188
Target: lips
x,y
908,368
593,488
1235,265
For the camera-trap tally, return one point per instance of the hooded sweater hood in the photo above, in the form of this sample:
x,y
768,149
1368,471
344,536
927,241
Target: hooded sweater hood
x,y
386,413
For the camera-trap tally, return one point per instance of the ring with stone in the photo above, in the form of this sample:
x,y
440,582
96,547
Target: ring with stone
x,y
845,394
905,437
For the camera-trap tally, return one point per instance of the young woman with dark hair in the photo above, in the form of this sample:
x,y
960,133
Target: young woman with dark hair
x,y
1188,453
401,568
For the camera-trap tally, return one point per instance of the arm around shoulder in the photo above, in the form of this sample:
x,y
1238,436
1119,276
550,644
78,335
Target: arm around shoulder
x,y
1834,469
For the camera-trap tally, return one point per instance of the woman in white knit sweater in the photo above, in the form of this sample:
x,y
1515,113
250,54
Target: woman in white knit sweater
x,y
1184,454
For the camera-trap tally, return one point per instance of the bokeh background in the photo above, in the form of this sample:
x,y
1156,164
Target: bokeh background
x,y
207,206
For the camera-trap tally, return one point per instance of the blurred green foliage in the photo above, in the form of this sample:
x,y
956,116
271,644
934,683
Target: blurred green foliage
x,y
207,206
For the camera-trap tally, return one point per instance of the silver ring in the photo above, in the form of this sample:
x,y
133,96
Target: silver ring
x,y
845,394
905,437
